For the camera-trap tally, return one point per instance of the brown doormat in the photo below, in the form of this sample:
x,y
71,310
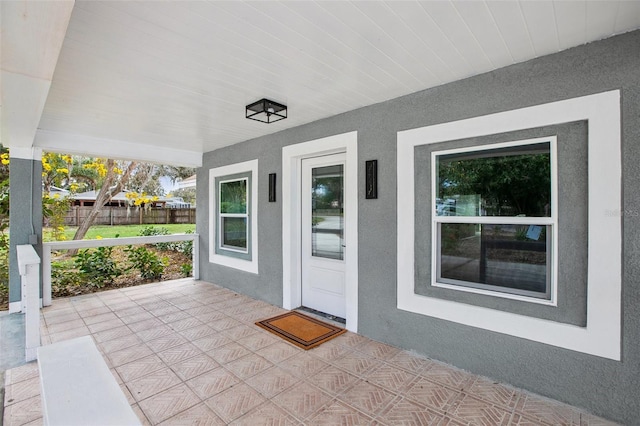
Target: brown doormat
x,y
301,330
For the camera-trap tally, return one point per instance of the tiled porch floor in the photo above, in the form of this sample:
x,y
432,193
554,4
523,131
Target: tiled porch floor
x,y
188,352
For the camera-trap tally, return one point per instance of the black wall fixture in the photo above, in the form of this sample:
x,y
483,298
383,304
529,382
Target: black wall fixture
x,y
371,179
272,187
266,111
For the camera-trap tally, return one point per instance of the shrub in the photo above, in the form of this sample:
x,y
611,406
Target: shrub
x,y
186,269
65,280
4,257
146,261
184,247
149,231
4,260
4,295
54,210
97,265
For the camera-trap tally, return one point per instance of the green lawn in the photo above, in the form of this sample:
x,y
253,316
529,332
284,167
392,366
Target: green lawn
x,y
106,231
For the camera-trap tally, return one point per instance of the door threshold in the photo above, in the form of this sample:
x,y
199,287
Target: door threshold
x,y
341,322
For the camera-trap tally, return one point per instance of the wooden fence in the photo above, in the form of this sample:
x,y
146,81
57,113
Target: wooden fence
x,y
131,216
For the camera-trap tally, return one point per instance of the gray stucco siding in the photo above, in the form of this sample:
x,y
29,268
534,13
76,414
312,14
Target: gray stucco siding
x,y
25,215
605,387
267,284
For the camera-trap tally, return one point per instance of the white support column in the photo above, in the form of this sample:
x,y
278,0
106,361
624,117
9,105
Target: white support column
x,y
196,257
29,267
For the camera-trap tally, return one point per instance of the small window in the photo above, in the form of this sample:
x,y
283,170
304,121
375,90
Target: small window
x,y
233,215
233,221
494,219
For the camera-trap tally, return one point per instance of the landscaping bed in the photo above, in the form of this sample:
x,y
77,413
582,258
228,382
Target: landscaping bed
x,y
70,282
108,268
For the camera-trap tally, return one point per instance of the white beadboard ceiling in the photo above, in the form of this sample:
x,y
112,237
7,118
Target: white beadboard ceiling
x,y
173,77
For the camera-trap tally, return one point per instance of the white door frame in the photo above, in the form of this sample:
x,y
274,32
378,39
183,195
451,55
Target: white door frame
x,y
292,222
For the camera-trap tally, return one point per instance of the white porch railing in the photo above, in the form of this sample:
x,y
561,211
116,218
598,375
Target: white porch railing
x,y
109,242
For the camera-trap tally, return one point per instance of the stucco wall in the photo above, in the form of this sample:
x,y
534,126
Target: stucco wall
x,y
25,215
605,387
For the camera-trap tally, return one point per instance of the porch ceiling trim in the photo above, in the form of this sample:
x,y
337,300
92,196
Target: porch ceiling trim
x,y
101,147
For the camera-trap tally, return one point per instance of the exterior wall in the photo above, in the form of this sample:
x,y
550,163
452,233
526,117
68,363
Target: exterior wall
x,y
605,387
25,216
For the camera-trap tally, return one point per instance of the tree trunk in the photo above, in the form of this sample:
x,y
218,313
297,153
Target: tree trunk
x,y
104,196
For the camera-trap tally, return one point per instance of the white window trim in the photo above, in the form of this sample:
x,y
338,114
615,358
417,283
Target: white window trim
x,y
552,221
602,334
220,259
240,215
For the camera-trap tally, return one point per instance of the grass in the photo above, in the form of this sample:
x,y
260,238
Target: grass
x,y
106,231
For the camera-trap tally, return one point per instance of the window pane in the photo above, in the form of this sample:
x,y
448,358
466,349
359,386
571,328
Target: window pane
x,y
512,181
327,217
506,258
233,197
234,232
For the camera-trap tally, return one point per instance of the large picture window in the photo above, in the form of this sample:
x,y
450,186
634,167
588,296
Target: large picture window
x,y
494,218
601,333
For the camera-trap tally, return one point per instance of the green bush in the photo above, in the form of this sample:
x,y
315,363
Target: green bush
x,y
185,247
149,231
146,261
4,257
64,278
4,294
186,269
97,265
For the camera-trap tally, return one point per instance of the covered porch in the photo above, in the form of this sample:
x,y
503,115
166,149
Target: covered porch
x,y
172,83
188,352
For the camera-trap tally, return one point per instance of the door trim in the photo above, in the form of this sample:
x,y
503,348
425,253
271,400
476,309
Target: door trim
x,y
292,222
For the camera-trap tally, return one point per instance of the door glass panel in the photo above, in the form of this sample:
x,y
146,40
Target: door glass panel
x,y
327,212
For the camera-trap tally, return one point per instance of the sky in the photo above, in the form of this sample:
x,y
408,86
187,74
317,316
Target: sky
x,y
168,186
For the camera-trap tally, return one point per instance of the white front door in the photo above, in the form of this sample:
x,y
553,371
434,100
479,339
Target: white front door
x,y
323,230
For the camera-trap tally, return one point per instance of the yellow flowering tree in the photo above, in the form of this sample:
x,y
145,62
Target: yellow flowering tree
x,y
109,177
54,209
141,200
56,170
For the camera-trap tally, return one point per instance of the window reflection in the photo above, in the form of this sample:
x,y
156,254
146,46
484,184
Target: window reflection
x,y
327,213
233,215
512,257
512,181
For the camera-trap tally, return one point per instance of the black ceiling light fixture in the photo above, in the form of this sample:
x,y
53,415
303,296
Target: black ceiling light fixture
x,y
266,111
